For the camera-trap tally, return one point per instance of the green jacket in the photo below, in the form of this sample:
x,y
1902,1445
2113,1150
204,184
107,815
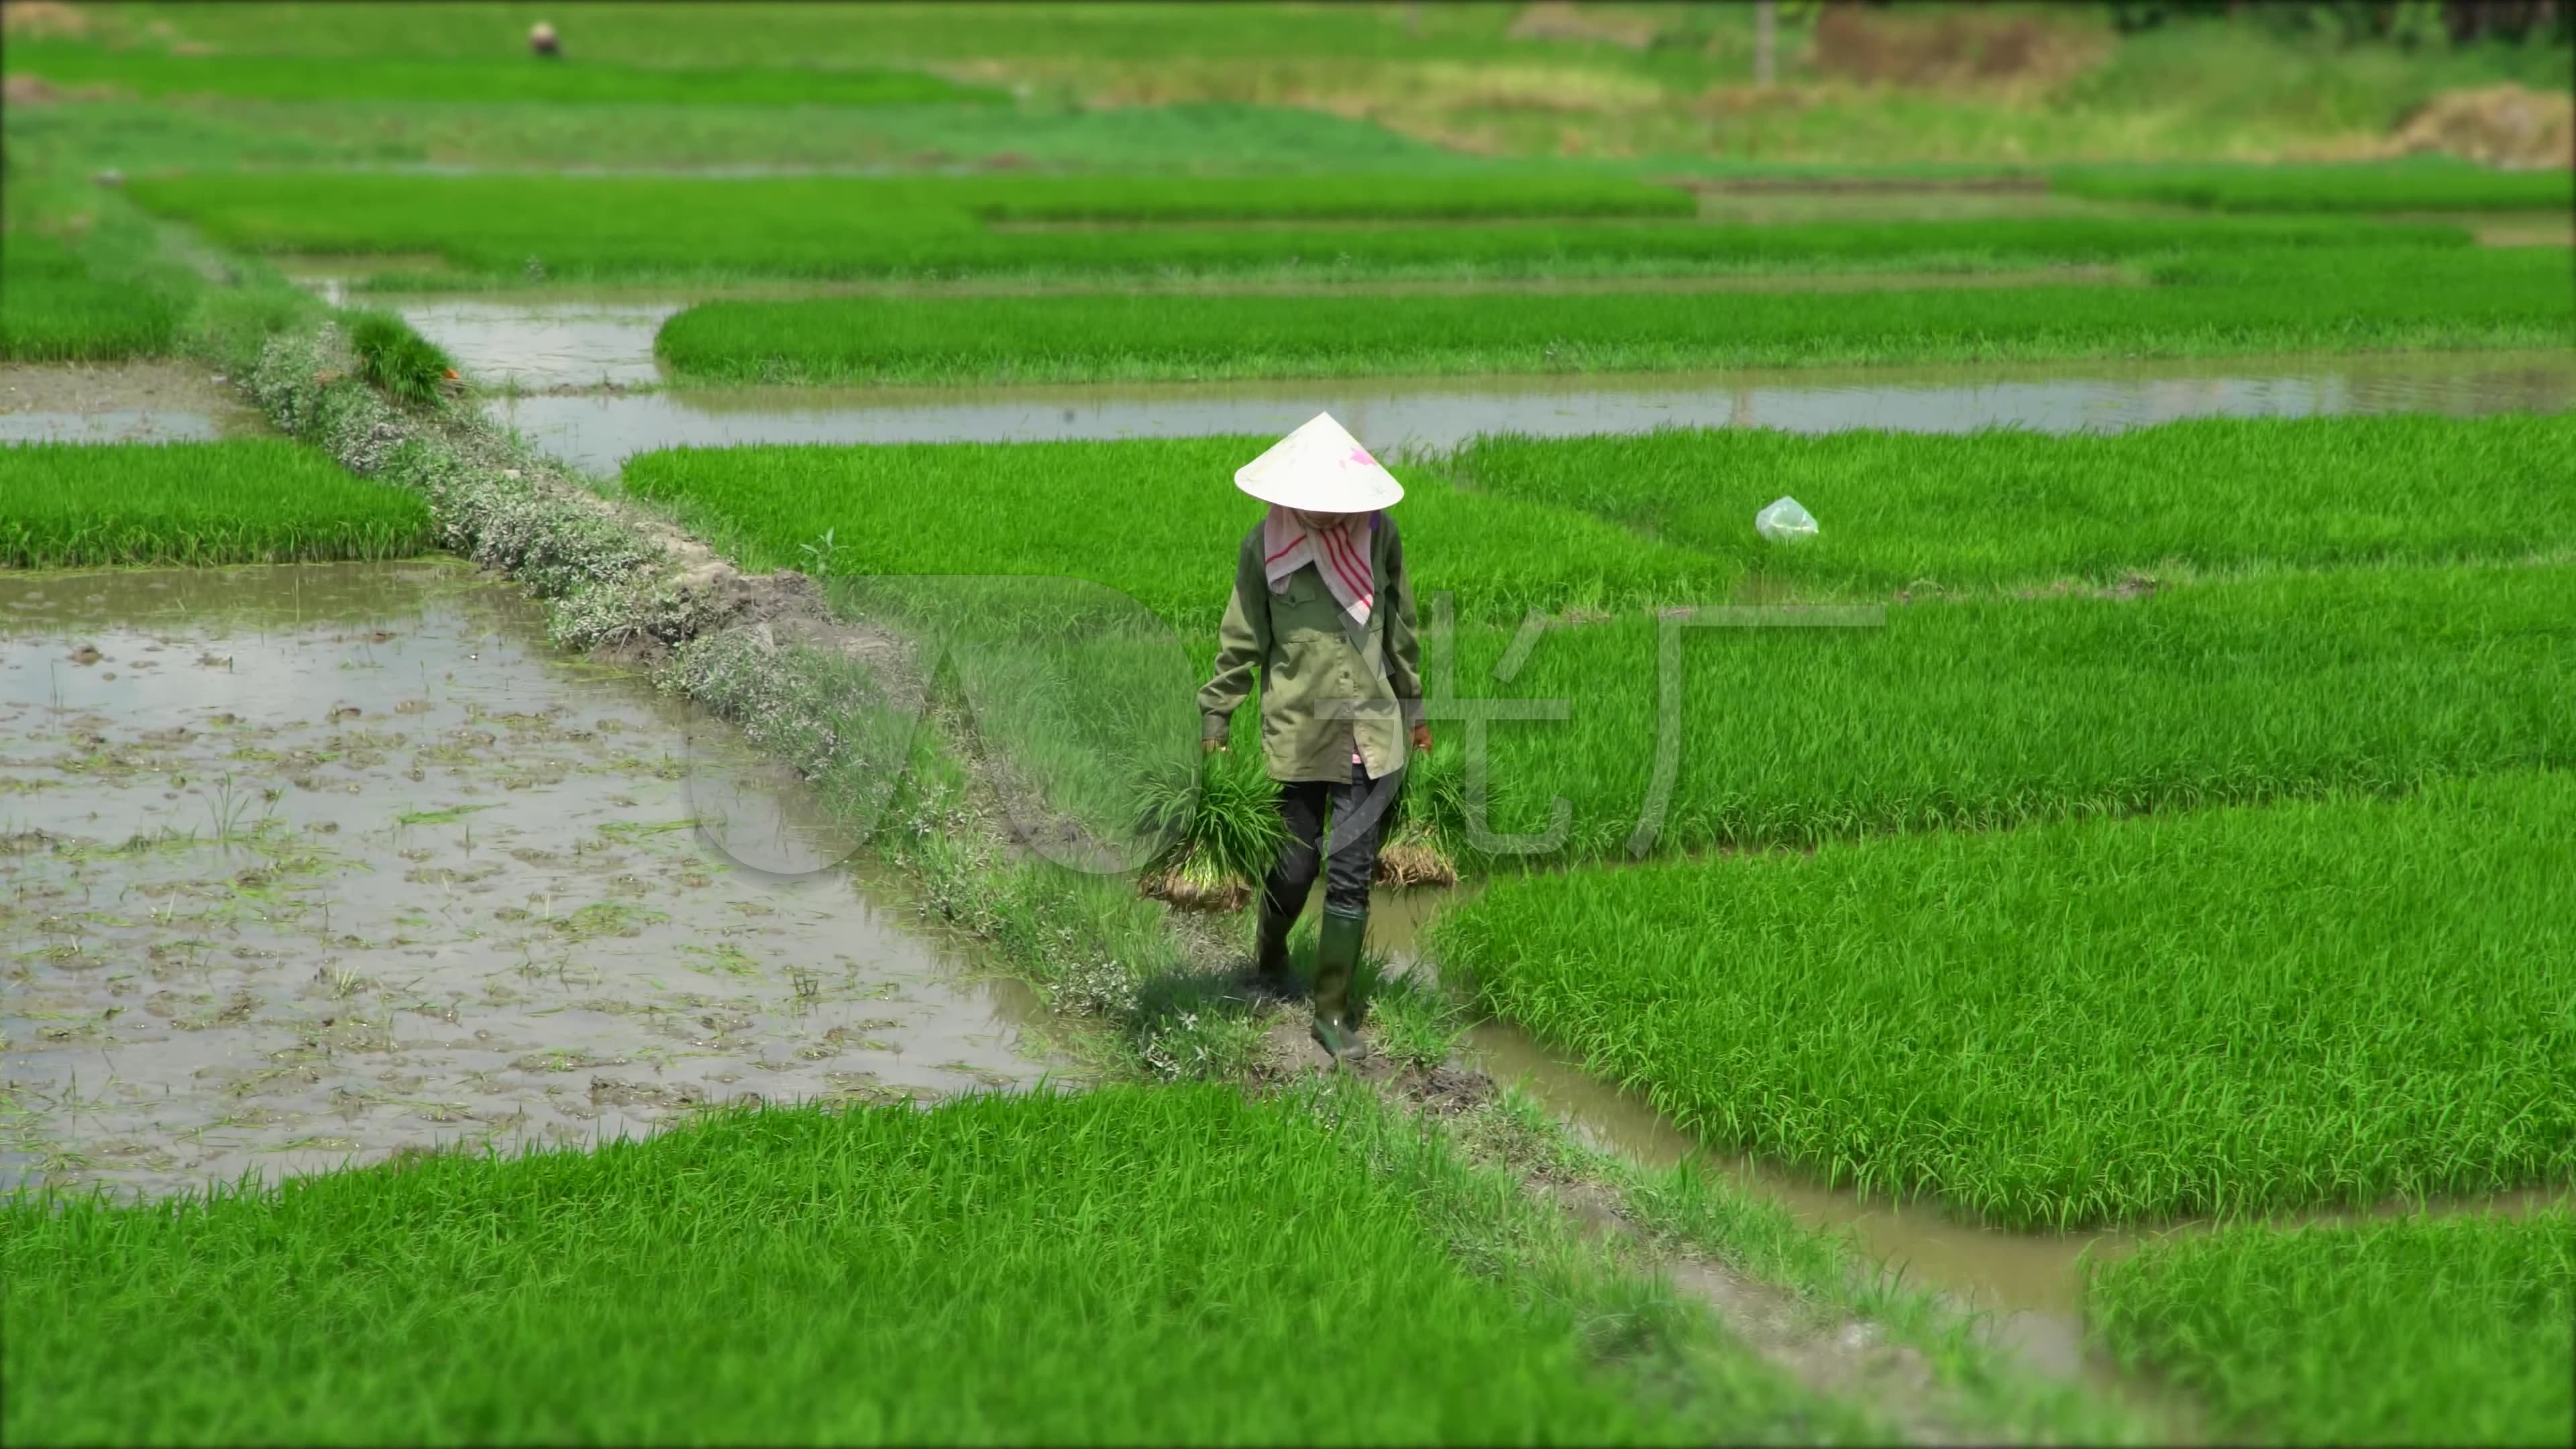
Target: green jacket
x,y
1322,693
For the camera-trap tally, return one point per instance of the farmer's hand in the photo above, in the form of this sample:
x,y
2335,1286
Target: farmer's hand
x,y
1211,744
1422,738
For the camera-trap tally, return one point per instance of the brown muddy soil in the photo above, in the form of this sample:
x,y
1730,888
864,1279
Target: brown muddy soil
x,y
149,400
307,865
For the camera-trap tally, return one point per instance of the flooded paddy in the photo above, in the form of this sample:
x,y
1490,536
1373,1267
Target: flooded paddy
x,y
318,864
129,402
598,432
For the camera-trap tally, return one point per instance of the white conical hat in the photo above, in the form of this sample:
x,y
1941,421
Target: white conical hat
x,y
1322,469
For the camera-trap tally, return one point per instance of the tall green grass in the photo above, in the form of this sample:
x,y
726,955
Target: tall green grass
x,y
2411,1331
824,227
397,360
1997,713
522,78
1131,1266
2375,300
1158,519
54,308
2420,185
247,500
2011,509
2226,1011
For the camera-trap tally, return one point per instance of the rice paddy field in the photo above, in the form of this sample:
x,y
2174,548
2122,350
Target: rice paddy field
x,y
2000,511
2385,300
2092,1020
823,227
2421,1329
2137,849
1139,1264
249,500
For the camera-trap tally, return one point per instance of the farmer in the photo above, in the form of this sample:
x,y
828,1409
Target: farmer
x,y
1323,610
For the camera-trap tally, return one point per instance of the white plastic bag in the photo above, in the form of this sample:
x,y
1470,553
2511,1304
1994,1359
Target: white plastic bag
x,y
1785,522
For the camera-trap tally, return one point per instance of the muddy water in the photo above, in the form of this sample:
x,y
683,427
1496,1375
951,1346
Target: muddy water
x,y
598,432
132,402
2031,1284
534,345
304,865
574,340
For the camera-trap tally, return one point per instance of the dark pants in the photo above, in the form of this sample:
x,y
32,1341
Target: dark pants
x,y
1352,863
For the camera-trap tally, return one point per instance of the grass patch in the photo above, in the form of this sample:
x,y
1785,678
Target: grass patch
x,y
84,276
1157,519
2228,1011
858,1276
54,308
520,79
397,361
2413,1331
608,227
2418,185
2351,301
2010,509
251,500
1992,714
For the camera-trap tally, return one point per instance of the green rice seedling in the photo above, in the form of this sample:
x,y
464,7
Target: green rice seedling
x,y
1129,1265
2228,1011
2415,185
2416,1330
1167,200
1421,831
1991,714
849,227
2376,300
1221,822
397,361
250,500
2007,510
161,74
1156,519
53,308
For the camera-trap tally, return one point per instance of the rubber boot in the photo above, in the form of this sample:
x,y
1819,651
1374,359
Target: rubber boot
x,y
1270,949
1337,959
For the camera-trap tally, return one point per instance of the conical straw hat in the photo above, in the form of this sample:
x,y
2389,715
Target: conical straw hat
x,y
1320,468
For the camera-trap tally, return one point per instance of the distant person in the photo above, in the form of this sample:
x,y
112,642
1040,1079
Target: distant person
x,y
541,39
1323,611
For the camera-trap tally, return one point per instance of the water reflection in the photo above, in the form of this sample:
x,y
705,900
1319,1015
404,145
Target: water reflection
x,y
599,432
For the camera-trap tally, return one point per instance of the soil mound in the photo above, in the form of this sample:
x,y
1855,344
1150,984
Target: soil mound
x,y
2503,125
1558,21
1958,48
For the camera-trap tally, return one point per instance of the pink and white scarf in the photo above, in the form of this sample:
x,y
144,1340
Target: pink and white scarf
x,y
1340,554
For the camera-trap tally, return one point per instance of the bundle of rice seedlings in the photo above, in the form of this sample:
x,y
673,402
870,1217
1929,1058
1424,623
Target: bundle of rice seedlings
x,y
1423,820
1221,830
